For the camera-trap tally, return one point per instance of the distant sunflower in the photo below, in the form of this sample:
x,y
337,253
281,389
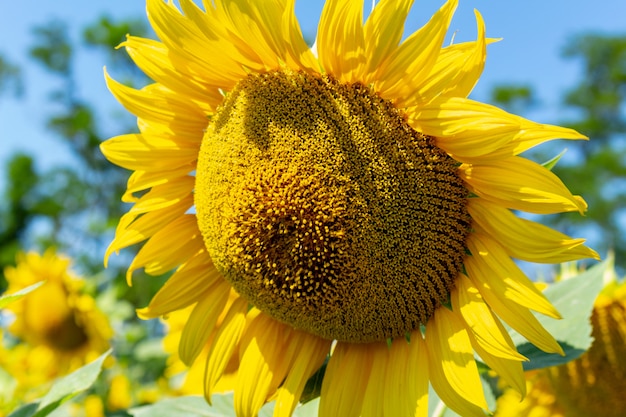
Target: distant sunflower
x,y
348,193
58,327
592,385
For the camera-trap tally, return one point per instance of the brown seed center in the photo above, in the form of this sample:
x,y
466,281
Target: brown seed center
x,y
326,210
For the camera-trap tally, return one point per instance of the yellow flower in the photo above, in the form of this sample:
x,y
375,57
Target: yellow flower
x,y
58,326
592,385
347,202
93,406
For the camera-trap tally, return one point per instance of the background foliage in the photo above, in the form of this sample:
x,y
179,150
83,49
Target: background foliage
x,y
75,207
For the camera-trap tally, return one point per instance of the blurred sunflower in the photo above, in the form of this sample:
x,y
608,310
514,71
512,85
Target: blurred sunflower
x,y
184,380
592,385
351,196
58,327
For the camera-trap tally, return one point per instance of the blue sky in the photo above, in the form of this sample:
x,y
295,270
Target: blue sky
x,y
533,32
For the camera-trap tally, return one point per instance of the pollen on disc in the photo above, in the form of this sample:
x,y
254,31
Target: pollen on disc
x,y
326,210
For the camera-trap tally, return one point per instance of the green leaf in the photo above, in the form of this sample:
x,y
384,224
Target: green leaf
x,y
7,386
10,298
552,162
63,389
437,408
574,299
27,410
194,406
313,387
190,406
309,409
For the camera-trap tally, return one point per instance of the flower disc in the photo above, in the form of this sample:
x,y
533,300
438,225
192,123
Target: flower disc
x,y
323,208
52,321
594,384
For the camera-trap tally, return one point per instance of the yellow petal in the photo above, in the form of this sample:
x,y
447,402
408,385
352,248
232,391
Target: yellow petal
x,y
510,370
158,256
144,180
261,35
292,343
456,71
449,347
202,320
480,321
159,105
520,184
223,38
471,131
529,137
263,346
465,128
504,277
340,40
161,196
383,32
311,351
406,382
373,402
450,397
345,381
405,69
153,153
516,316
224,345
270,28
524,239
210,60
154,59
299,55
164,195
185,287
131,229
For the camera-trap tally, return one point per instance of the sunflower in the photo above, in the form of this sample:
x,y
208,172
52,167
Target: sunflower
x,y
592,385
57,327
346,203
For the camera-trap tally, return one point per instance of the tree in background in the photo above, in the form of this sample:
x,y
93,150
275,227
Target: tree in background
x,y
71,205
599,103
74,207
10,77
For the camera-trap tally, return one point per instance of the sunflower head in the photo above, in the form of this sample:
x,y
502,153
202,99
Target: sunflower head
x,y
590,385
317,200
58,324
348,196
